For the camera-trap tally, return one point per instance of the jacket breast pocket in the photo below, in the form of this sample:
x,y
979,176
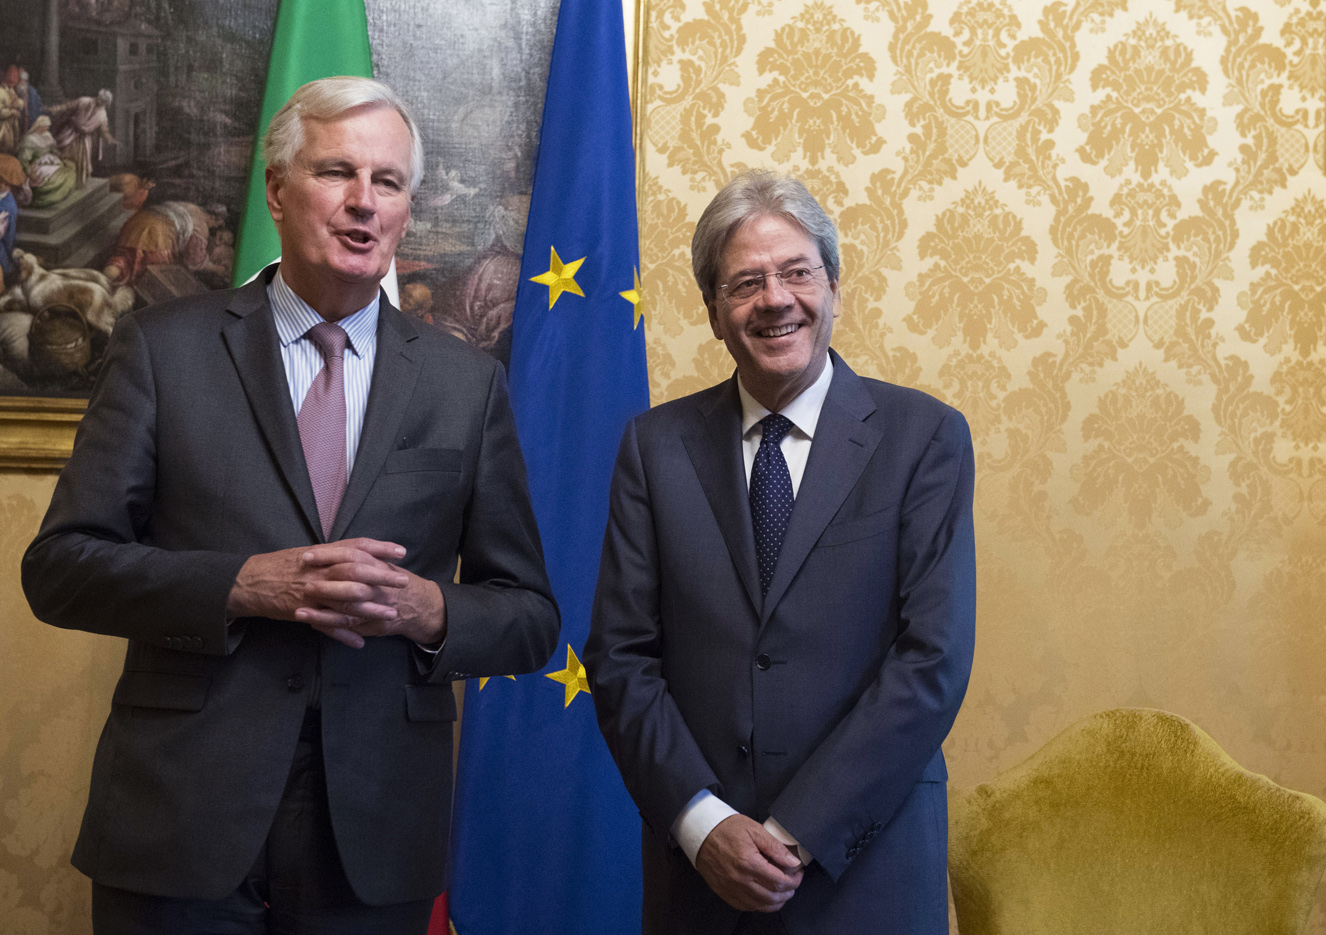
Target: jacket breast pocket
x,y
167,690
430,703
857,528
412,460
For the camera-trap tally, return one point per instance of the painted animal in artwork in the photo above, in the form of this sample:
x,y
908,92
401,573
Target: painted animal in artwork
x,y
87,290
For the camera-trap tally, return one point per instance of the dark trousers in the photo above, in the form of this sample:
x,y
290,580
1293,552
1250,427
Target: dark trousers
x,y
296,887
761,923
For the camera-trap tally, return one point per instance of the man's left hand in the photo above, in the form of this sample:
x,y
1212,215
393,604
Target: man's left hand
x,y
348,610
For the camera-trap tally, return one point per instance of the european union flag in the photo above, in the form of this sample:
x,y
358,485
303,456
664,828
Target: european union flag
x,y
546,838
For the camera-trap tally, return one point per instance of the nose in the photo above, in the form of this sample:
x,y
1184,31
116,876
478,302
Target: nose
x,y
360,197
775,291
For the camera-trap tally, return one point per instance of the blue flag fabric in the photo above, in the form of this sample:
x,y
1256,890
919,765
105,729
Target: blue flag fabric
x,y
546,838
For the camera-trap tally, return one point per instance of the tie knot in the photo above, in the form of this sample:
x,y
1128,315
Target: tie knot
x,y
775,427
329,339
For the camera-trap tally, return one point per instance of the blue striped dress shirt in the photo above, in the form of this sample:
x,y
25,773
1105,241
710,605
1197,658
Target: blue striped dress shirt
x,y
294,317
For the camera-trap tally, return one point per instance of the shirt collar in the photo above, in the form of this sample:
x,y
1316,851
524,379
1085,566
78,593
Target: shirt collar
x,y
803,412
294,317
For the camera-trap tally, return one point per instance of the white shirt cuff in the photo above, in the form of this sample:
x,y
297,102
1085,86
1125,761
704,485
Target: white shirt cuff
x,y
700,816
772,826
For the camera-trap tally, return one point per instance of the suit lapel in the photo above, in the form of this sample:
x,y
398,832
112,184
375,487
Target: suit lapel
x,y
395,372
843,446
255,348
714,447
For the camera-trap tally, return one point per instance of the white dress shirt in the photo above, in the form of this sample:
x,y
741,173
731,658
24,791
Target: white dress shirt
x,y
705,810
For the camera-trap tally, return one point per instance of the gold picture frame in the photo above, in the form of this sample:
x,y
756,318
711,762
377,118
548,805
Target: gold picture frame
x,y
37,432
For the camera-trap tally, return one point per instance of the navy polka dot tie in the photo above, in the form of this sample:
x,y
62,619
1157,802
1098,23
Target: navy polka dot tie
x,y
770,496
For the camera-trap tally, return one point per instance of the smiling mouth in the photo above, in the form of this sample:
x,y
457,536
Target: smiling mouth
x,y
777,331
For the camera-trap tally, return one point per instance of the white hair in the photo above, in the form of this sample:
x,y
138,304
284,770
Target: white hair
x,y
328,99
753,194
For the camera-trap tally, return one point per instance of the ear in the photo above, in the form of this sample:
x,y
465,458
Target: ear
x,y
274,184
715,323
837,299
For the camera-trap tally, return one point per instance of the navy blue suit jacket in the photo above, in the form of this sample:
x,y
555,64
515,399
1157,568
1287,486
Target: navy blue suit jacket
x,y
823,704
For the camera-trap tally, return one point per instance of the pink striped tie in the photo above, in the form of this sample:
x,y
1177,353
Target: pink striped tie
x,y
322,423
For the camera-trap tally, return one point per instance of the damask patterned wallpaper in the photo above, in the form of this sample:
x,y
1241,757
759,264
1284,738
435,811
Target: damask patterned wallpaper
x,y
1098,229
55,689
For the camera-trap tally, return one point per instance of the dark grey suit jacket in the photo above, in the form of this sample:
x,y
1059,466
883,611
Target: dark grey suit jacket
x,y
188,462
824,703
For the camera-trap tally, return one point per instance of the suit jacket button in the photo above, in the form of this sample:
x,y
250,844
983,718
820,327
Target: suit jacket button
x,y
295,683
744,750
762,661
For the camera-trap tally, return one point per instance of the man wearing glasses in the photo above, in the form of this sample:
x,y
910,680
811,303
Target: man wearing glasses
x,y
784,623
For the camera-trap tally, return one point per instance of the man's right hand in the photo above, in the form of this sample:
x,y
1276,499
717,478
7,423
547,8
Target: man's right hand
x,y
747,866
273,584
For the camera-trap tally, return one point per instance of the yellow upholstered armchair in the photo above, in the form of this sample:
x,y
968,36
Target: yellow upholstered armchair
x,y
1134,822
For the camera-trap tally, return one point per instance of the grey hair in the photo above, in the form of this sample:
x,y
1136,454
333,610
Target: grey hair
x,y
754,194
328,99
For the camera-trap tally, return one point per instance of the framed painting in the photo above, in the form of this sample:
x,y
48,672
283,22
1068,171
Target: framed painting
x,y
126,133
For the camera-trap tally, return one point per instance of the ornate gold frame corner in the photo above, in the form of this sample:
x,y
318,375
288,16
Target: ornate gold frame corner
x,y
37,432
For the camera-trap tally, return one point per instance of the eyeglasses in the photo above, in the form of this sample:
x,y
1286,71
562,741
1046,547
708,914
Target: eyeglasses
x,y
797,279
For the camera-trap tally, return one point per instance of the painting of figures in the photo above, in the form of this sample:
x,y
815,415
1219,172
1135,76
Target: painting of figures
x,y
126,133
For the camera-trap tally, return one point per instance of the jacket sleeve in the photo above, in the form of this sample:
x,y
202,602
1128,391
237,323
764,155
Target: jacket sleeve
x,y
658,758
853,783
501,616
89,567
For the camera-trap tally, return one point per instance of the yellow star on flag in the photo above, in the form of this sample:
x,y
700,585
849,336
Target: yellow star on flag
x,y
636,297
559,278
573,676
483,680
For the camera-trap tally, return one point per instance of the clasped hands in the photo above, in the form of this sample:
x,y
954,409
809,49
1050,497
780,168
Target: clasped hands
x,y
747,866
349,590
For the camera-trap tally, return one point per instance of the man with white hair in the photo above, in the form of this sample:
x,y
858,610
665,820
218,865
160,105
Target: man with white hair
x,y
269,496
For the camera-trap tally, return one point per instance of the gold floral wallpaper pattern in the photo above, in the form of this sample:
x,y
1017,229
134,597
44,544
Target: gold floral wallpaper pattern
x,y
1099,229
55,689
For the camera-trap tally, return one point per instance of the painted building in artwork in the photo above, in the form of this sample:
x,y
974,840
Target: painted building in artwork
x,y
124,59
